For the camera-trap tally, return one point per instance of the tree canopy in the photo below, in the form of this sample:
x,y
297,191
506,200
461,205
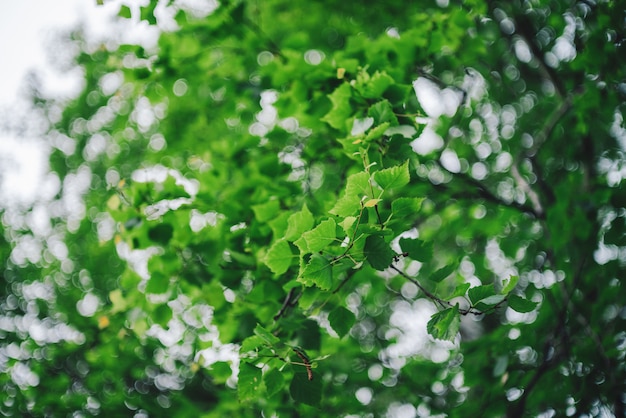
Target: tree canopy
x,y
329,208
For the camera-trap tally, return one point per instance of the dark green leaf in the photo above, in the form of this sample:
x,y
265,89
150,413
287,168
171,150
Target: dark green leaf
x,y
161,234
274,381
341,320
442,273
304,390
378,253
158,283
520,304
417,249
478,293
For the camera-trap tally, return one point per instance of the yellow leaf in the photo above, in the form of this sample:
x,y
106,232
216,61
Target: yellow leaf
x,y
103,322
371,203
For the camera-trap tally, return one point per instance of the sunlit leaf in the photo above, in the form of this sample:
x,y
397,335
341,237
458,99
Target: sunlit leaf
x,y
509,284
279,257
444,325
393,177
321,236
298,223
318,271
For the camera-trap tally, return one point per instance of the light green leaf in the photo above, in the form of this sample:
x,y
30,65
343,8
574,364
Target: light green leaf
x,y
124,12
521,305
265,211
267,336
341,109
249,382
460,290
509,284
279,257
393,177
376,85
341,320
444,325
377,132
357,186
298,223
274,381
118,301
378,252
321,236
318,272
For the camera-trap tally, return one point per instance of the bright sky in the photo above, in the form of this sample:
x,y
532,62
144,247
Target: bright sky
x,y
25,28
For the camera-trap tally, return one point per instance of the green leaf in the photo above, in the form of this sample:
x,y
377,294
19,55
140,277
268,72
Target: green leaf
x,y
318,271
265,211
118,301
478,293
341,109
442,273
274,381
521,305
298,223
393,177
460,290
383,112
357,186
124,12
417,249
249,381
265,335
304,390
279,257
161,234
251,344
377,132
321,236
158,283
376,85
509,284
378,252
444,325
341,320
404,207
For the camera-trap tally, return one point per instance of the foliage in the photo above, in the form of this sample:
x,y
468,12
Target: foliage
x,y
272,217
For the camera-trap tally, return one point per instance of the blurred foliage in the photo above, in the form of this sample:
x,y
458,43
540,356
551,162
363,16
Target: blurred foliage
x,y
265,214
